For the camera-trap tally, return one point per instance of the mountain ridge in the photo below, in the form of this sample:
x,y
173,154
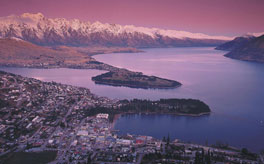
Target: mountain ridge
x,y
251,51
247,48
38,29
236,43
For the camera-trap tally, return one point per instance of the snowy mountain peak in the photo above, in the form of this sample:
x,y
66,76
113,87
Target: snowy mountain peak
x,y
32,16
38,29
249,35
256,34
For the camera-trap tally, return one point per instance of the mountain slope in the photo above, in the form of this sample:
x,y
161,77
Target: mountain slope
x,y
17,52
40,30
251,51
236,43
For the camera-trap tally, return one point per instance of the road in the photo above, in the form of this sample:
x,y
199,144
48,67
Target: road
x,y
262,158
60,157
140,157
58,121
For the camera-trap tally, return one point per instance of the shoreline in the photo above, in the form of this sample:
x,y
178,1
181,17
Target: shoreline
x,y
229,148
122,76
133,50
133,86
118,115
167,113
108,69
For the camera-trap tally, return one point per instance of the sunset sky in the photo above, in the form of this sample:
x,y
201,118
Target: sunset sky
x,y
214,17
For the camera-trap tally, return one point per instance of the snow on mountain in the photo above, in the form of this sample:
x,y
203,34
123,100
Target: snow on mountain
x,y
256,34
38,29
17,39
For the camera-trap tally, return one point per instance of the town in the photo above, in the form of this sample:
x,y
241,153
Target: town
x,y
46,117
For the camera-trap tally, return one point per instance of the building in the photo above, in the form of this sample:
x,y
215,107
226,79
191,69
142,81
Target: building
x,y
102,115
82,133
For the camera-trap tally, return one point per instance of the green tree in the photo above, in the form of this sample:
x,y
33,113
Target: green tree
x,y
244,151
168,139
197,158
164,139
208,157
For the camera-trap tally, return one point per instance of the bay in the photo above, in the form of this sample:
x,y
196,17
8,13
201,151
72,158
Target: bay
x,y
233,89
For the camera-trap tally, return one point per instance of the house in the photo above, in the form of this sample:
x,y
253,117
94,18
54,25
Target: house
x,y
102,115
82,133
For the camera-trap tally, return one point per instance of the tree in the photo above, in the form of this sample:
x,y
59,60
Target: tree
x,y
244,151
164,139
133,149
208,157
197,158
202,155
62,125
168,139
89,160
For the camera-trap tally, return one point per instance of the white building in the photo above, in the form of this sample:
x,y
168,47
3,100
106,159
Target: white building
x,y
29,125
102,115
123,142
82,133
35,119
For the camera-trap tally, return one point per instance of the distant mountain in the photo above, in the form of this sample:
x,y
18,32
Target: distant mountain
x,y
40,30
236,43
253,50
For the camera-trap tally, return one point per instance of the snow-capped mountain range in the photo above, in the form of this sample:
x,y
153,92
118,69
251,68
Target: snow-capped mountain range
x,y
38,29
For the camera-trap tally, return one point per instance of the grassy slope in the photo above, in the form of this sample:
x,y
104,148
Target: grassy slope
x,y
21,52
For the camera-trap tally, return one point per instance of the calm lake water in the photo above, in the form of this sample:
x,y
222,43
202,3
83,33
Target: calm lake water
x,y
233,89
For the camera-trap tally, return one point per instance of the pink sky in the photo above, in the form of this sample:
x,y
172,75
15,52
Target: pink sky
x,y
215,17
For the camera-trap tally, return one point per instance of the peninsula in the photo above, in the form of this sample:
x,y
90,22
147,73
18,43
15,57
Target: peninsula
x,y
190,107
19,53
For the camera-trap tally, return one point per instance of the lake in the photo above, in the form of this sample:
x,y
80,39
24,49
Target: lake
x,y
233,89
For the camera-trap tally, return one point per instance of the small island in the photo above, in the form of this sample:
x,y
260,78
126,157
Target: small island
x,y
130,79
